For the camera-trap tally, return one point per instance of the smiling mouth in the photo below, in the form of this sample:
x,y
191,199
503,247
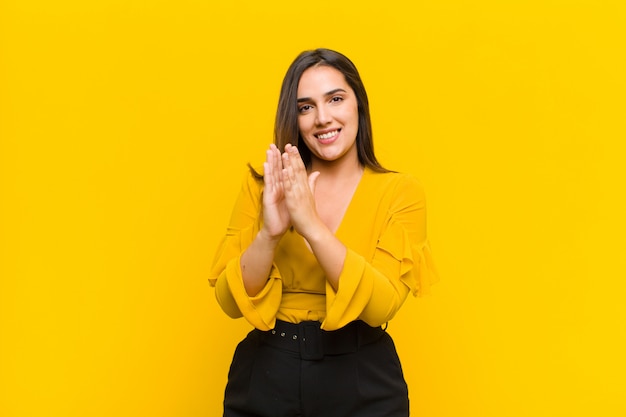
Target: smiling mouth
x,y
328,135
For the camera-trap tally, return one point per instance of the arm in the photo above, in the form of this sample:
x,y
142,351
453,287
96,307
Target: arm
x,y
256,261
358,288
299,192
373,287
243,260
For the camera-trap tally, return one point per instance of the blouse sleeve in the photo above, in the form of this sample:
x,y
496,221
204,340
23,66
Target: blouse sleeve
x,y
225,274
402,263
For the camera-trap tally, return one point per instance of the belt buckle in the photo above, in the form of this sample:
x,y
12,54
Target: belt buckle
x,y
311,343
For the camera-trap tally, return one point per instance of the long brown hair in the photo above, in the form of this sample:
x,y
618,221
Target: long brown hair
x,y
286,125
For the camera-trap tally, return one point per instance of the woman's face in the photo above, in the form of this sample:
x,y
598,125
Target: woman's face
x,y
328,115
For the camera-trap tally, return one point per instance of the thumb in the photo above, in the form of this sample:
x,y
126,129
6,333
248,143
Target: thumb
x,y
313,180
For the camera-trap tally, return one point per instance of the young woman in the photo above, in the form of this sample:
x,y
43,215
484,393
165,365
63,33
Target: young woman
x,y
322,249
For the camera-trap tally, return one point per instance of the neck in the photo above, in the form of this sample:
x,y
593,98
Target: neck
x,y
343,168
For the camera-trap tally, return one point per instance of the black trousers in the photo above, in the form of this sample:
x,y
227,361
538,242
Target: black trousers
x,y
302,371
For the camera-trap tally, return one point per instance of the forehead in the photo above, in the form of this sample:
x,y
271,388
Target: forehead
x,y
321,79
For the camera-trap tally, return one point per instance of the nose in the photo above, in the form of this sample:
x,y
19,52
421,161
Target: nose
x,y
323,116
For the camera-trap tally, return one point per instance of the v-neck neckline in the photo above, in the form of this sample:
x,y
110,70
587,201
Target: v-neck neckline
x,y
355,195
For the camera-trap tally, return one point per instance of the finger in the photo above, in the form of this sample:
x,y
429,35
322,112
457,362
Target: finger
x,y
313,181
274,149
286,181
273,168
267,171
271,153
297,161
298,168
278,163
287,168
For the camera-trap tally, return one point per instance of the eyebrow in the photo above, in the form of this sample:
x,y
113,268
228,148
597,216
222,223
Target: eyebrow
x,y
330,93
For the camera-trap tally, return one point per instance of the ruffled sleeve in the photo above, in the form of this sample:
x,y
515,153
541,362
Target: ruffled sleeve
x,y
373,289
225,274
417,268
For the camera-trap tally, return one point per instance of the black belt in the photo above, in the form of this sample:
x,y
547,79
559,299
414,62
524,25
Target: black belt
x,y
312,343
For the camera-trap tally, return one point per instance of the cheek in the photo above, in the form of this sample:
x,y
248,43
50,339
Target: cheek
x,y
351,115
302,130
355,114
304,125
301,123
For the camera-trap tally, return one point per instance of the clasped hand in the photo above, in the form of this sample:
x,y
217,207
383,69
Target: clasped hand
x,y
288,195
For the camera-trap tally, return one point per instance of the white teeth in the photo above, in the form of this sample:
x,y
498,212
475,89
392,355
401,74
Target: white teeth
x,y
328,135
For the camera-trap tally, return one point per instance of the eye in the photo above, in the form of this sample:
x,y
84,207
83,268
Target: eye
x,y
336,99
304,108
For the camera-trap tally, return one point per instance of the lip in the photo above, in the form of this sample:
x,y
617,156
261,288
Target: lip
x,y
329,140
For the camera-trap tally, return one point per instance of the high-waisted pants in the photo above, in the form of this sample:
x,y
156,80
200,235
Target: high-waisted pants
x,y
299,370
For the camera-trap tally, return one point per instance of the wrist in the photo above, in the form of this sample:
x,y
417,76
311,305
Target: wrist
x,y
316,233
267,239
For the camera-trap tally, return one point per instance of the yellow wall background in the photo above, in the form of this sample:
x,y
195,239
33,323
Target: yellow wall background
x,y
125,127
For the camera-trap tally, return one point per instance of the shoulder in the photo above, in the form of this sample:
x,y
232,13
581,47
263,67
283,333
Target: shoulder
x,y
252,179
395,182
395,191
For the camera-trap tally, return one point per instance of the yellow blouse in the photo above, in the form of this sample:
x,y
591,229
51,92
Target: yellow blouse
x,y
384,229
